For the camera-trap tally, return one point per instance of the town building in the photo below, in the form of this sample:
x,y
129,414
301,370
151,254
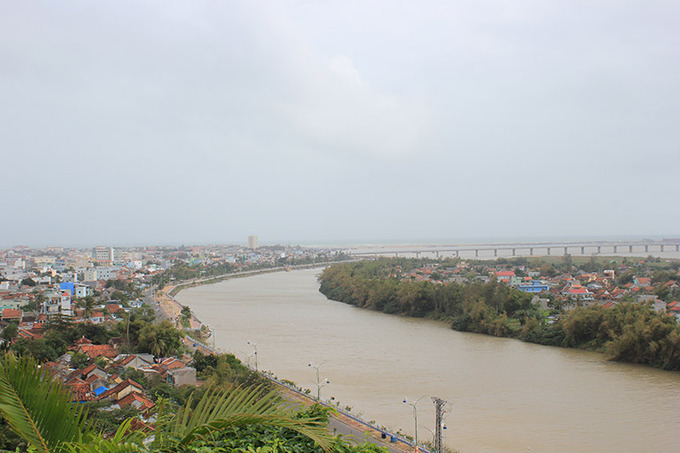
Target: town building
x,y
103,255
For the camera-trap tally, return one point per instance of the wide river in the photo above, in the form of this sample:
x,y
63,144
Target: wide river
x,y
505,395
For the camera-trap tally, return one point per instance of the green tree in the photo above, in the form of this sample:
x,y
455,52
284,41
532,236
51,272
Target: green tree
x,y
79,360
161,340
9,333
88,304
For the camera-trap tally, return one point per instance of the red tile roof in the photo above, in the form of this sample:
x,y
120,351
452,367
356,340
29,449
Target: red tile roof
x,y
117,389
10,313
505,274
96,350
145,403
81,390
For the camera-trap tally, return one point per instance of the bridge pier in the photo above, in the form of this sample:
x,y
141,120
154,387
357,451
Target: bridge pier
x,y
437,254
677,247
583,250
476,252
513,252
417,254
616,248
566,250
661,248
599,249
495,252
630,249
548,250
531,251
646,248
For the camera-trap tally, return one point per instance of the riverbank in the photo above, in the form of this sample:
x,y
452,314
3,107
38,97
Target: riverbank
x,y
505,395
342,422
172,308
633,332
216,279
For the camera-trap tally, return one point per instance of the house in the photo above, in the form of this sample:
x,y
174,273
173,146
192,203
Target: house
x,y
97,350
505,276
80,390
97,317
113,308
9,314
172,363
135,361
87,372
672,285
136,400
122,390
642,282
578,292
534,287
182,376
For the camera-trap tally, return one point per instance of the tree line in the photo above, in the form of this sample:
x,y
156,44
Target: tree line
x,y
627,332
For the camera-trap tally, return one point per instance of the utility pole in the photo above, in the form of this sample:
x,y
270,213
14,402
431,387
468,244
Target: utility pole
x,y
439,422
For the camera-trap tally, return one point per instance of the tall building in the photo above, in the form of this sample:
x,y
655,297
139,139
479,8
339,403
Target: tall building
x,y
252,242
103,255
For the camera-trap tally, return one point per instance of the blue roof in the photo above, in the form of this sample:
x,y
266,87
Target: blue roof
x,y
100,390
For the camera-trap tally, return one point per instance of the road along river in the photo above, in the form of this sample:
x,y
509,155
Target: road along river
x,y
505,395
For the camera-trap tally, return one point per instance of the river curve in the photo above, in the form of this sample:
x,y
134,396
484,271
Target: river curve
x,y
505,395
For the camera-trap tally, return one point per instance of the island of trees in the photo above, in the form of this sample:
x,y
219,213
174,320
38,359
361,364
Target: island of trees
x,y
485,297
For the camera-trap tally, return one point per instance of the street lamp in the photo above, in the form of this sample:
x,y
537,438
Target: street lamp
x,y
319,384
254,352
415,417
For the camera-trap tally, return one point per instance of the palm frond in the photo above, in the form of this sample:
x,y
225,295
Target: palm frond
x,y
220,409
123,441
38,408
311,428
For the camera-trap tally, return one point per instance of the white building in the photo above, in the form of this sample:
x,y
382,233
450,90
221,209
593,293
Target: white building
x,y
103,254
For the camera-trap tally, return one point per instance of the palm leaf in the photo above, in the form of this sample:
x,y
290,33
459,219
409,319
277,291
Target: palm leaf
x,y
38,408
220,409
123,441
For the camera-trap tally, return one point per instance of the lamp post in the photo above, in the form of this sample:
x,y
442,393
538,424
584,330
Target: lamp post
x,y
415,418
254,352
319,384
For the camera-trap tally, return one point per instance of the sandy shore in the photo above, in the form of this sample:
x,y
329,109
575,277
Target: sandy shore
x,y
173,309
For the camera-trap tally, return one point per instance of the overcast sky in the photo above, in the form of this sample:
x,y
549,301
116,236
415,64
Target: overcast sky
x,y
169,122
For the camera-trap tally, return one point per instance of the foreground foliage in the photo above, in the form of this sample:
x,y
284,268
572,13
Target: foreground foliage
x,y
39,410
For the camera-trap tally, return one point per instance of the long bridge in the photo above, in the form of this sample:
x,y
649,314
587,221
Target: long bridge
x,y
529,249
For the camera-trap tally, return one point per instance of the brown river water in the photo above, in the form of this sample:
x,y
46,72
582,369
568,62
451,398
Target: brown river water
x,y
504,395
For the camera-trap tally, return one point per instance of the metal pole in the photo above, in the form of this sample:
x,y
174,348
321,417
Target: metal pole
x,y
415,419
254,352
439,422
319,385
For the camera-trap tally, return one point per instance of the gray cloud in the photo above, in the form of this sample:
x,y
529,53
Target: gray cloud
x,y
155,122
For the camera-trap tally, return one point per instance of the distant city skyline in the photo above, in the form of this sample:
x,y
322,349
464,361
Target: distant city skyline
x,y
356,243
201,122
